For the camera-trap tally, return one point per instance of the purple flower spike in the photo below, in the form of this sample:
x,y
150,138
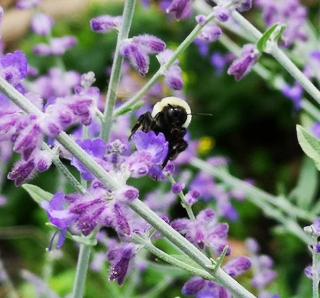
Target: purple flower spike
x,y
22,171
193,286
237,266
14,67
105,23
180,9
42,24
316,130
243,65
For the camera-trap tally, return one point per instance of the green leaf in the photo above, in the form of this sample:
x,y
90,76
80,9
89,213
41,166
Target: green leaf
x,y
270,37
309,144
37,194
307,185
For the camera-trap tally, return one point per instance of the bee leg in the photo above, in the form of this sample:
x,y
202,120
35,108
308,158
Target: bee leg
x,y
174,151
145,121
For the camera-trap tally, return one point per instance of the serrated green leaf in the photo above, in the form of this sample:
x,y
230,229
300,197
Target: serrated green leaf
x,y
37,194
272,35
307,185
309,144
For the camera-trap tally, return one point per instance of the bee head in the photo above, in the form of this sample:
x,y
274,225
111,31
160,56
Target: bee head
x,y
175,110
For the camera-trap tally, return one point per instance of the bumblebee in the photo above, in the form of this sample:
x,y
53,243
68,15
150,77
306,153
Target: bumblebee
x,y
171,116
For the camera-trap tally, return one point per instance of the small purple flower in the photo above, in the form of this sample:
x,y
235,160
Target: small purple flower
x,y
120,258
95,148
154,145
316,130
243,65
3,201
57,46
244,5
193,286
237,266
204,231
22,171
192,197
308,272
178,187
218,61
137,57
202,288
180,9
27,4
138,49
222,14
294,93
42,24
43,161
29,138
14,67
173,76
150,44
105,23
203,47
210,33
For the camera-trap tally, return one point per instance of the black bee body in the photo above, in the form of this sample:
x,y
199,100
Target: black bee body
x,y
171,116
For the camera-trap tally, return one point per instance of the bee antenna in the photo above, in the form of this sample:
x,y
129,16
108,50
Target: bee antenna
x,y
201,114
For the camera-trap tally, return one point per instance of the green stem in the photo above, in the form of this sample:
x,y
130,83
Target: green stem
x,y
181,48
160,287
147,244
65,171
184,202
281,57
256,193
139,207
81,273
111,97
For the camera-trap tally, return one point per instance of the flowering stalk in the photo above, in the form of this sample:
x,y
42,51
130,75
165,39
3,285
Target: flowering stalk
x,y
184,202
281,57
147,244
181,48
111,97
138,206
